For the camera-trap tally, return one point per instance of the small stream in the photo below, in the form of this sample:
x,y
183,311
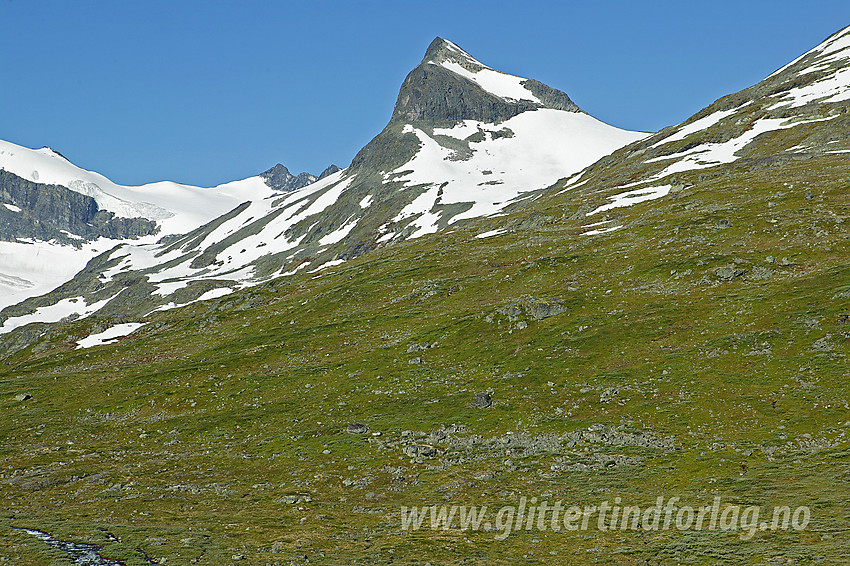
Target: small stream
x,y
82,554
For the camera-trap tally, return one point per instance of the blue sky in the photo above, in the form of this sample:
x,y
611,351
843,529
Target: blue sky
x,y
205,92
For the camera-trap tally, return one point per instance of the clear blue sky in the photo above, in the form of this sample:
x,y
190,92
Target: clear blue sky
x,y
204,92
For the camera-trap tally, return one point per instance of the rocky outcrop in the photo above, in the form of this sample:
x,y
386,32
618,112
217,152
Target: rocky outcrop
x,y
579,450
53,212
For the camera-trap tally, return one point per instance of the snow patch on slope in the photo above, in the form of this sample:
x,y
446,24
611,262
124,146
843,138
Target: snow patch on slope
x,y
698,125
490,233
172,270
631,197
109,335
55,313
834,86
29,269
711,154
500,84
599,231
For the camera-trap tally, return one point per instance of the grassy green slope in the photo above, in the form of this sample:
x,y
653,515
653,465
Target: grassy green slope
x,y
216,434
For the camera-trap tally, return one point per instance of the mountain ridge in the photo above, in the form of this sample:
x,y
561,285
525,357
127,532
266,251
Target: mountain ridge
x,y
331,221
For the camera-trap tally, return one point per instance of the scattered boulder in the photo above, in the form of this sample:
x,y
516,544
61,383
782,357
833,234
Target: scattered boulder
x,y
728,273
609,394
420,451
294,499
357,428
760,274
23,397
483,476
823,344
533,308
482,400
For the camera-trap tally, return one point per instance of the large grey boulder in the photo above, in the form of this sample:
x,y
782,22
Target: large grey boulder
x,y
482,400
357,428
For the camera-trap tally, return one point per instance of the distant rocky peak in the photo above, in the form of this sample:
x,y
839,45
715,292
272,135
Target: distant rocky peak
x,y
280,179
278,171
447,87
329,171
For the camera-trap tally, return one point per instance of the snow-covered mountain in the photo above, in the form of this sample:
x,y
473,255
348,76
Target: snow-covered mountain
x,y
175,207
55,217
464,140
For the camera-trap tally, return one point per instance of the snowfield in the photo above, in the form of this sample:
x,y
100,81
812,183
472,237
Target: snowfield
x,y
109,335
547,145
29,269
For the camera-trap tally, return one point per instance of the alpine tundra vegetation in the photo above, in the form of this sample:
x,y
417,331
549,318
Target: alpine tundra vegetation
x,y
501,301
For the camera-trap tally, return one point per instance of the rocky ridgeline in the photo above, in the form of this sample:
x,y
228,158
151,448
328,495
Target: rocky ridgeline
x,y
280,179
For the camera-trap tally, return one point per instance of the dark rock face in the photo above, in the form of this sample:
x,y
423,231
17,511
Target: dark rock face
x,y
47,210
433,93
387,151
551,97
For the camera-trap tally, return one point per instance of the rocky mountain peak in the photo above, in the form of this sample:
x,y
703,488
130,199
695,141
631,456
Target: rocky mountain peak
x,y
450,85
442,50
